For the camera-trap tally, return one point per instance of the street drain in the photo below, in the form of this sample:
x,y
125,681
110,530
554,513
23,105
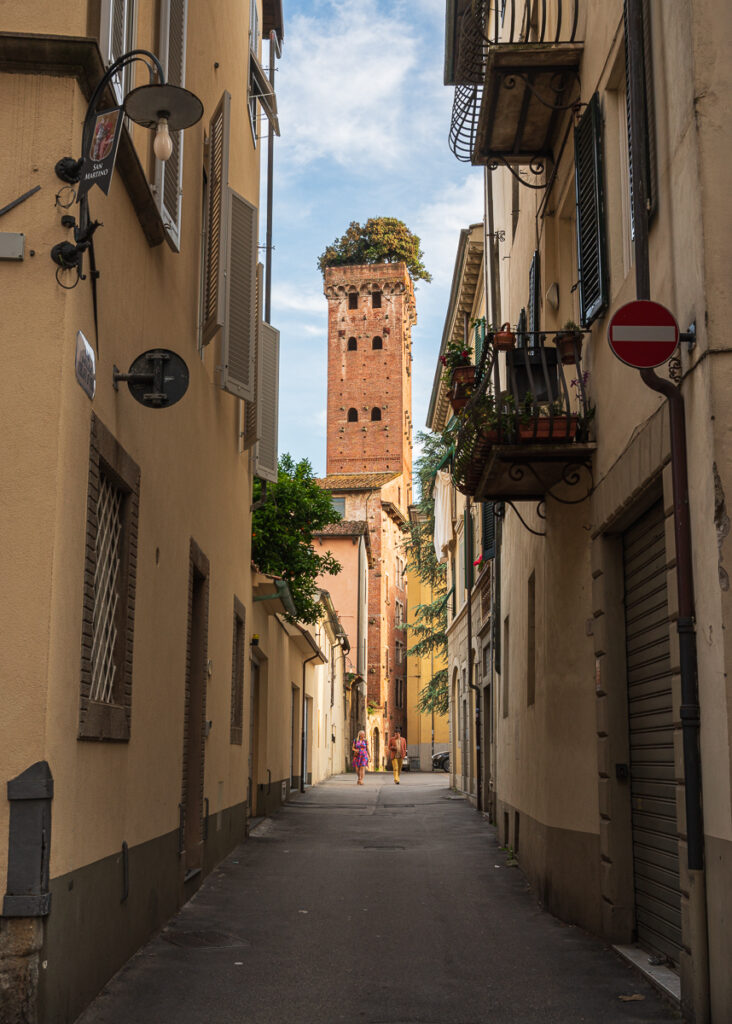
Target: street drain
x,y
203,939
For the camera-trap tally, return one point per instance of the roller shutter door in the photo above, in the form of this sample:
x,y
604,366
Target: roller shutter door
x,y
652,772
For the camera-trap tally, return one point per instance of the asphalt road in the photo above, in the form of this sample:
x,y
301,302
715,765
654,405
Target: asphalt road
x,y
374,904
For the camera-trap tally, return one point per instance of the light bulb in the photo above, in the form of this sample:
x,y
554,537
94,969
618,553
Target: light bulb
x,y
163,144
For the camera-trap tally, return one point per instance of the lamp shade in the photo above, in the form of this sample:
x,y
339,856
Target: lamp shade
x,y
148,103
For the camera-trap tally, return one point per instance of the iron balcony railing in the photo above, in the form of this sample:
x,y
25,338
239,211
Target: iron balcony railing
x,y
487,23
532,398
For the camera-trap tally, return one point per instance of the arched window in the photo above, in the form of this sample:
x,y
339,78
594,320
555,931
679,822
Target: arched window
x,y
376,343
353,415
376,413
352,344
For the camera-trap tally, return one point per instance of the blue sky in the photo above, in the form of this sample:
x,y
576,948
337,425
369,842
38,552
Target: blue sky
x,y
364,119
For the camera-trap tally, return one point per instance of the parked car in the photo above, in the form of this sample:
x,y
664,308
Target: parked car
x,y
441,760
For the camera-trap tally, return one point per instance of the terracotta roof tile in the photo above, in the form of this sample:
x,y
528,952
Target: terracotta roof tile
x,y
345,528
356,481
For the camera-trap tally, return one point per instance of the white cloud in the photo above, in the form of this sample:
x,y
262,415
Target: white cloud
x,y
344,85
291,297
439,222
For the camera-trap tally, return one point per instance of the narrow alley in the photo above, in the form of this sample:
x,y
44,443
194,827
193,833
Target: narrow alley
x,y
379,904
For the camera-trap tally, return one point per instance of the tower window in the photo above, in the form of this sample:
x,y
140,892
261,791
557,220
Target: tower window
x,y
376,413
353,300
352,344
376,343
376,300
353,415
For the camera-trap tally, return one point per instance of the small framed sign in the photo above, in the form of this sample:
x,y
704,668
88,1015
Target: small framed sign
x,y
86,365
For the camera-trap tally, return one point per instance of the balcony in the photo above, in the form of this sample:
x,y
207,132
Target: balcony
x,y
525,428
514,65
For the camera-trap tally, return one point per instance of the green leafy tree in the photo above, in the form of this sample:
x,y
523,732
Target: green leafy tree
x,y
282,533
380,240
429,627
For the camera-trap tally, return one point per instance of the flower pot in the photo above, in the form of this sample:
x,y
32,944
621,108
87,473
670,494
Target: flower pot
x,y
566,346
461,386
504,339
557,429
463,375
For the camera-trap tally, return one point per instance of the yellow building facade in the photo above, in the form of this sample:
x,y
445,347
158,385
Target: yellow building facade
x,y
153,688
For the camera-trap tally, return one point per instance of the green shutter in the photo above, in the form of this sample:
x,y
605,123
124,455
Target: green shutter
x,y
489,529
534,284
649,114
590,199
469,547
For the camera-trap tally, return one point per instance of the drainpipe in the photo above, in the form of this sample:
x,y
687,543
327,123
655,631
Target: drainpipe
x,y
471,684
303,764
274,51
685,623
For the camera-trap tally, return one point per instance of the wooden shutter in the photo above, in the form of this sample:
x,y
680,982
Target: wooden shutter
x,y
489,530
265,452
240,307
217,220
169,173
534,284
117,36
649,113
253,425
590,199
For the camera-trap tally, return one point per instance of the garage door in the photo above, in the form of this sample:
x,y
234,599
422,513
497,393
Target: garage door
x,y
652,773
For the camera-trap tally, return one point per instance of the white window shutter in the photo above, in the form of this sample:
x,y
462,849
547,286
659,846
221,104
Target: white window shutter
x,y
252,424
265,452
169,173
240,313
217,219
117,36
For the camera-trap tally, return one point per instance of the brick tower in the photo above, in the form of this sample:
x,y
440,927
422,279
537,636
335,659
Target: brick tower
x,y
371,311
370,315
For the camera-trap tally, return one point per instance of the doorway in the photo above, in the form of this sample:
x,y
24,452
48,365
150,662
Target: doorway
x,y
195,714
253,760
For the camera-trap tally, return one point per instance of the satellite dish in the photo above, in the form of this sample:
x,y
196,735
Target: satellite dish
x,y
157,379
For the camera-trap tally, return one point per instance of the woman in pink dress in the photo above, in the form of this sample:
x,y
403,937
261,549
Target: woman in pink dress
x,y
360,755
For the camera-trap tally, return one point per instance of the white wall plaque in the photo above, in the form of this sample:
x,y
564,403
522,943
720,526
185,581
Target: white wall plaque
x,y
86,365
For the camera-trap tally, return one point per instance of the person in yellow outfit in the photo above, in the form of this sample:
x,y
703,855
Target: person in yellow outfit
x,y
398,751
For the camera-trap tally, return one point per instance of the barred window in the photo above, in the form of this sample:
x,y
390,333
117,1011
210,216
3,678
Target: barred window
x,y
109,589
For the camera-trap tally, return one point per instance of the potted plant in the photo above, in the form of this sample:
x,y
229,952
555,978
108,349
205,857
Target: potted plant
x,y
459,373
504,338
569,342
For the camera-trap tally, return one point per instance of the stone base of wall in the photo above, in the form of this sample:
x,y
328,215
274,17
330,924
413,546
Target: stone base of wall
x,y
561,864
92,930
21,939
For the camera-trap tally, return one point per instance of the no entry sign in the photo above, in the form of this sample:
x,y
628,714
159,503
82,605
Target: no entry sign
x,y
643,334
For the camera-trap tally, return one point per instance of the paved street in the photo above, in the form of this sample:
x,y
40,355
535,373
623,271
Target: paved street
x,y
379,904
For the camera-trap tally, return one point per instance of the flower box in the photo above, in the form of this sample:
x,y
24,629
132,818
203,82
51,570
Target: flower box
x,y
546,429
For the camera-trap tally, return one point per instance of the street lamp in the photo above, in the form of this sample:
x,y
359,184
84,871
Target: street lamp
x,y
158,105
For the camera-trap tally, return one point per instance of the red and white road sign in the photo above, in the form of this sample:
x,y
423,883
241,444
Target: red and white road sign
x,y
643,334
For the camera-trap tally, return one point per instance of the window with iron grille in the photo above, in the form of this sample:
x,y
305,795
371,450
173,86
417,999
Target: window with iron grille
x,y
534,300
109,589
237,674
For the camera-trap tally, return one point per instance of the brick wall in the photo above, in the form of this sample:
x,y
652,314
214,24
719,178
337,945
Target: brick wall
x,y
371,381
